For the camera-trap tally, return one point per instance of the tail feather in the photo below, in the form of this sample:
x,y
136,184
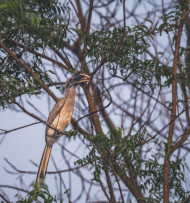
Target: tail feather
x,y
43,165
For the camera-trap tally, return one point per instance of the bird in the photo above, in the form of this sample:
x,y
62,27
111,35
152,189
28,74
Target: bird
x,y
59,118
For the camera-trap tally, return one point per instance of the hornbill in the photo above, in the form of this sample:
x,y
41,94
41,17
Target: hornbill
x,y
59,118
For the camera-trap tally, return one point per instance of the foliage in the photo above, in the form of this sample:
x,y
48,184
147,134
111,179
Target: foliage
x,y
42,193
124,54
29,24
148,171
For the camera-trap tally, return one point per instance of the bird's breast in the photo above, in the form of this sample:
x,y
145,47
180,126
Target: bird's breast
x,y
63,118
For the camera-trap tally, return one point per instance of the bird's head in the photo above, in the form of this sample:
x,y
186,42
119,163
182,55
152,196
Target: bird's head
x,y
78,78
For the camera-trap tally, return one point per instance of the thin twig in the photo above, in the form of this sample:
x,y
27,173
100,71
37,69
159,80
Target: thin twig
x,y
28,69
31,114
18,128
166,178
98,109
124,20
4,198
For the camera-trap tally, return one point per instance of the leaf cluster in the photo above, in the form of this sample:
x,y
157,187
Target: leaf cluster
x,y
130,54
42,193
35,20
26,27
125,54
149,172
151,176
17,81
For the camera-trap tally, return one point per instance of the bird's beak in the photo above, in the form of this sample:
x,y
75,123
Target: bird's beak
x,y
80,78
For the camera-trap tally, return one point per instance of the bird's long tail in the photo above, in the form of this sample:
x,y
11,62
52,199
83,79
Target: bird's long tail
x,y
43,165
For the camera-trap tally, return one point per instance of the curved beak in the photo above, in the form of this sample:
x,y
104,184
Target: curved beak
x,y
80,78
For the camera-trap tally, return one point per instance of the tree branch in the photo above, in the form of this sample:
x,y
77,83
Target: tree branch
x,y
172,118
29,70
31,114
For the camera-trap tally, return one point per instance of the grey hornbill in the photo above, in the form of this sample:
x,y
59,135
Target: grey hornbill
x,y
59,117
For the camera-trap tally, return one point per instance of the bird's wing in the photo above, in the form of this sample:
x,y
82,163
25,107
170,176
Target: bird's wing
x,y
56,109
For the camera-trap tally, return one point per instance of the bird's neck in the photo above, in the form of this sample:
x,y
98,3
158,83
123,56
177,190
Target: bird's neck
x,y
70,100
70,93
